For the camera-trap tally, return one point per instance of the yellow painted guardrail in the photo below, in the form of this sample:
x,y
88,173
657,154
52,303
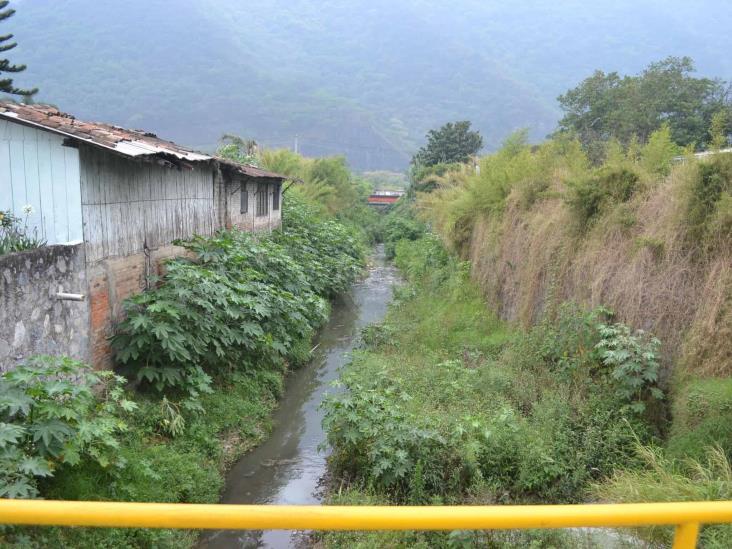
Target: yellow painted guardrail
x,y
687,516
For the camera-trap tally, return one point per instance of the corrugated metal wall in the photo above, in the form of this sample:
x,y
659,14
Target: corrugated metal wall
x,y
37,170
127,204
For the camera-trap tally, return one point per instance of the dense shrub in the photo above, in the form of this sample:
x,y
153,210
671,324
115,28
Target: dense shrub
x,y
702,417
398,227
589,197
444,403
53,412
330,253
243,302
708,210
466,194
659,152
633,360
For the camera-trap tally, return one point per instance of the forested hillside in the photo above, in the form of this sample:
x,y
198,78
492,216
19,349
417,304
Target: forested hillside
x,y
363,78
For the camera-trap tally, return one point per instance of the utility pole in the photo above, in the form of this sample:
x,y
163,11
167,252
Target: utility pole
x,y
296,144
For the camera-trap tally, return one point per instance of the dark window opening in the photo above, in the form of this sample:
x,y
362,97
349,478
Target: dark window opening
x,y
276,197
262,200
244,196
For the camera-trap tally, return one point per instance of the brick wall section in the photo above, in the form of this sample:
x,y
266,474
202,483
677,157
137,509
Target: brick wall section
x,y
99,320
32,320
111,281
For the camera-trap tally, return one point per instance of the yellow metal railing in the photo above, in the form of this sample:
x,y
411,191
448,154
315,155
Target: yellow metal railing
x,y
686,517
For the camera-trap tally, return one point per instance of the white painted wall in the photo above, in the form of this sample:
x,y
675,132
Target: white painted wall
x,y
36,169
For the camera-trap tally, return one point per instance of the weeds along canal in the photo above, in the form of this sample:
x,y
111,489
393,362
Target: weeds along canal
x,y
288,466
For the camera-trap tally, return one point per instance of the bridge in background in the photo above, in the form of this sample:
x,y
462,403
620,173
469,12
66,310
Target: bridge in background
x,y
382,199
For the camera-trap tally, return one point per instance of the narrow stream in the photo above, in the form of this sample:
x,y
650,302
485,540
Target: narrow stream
x,y
287,467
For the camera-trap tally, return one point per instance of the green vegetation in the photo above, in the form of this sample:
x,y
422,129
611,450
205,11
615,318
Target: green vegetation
x,y
683,479
702,413
386,181
208,346
15,237
400,224
608,106
159,467
327,185
462,196
709,202
242,302
50,417
590,197
615,219
451,143
238,149
446,404
455,198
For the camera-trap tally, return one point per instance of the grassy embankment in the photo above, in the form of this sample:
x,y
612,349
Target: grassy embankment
x,y
448,405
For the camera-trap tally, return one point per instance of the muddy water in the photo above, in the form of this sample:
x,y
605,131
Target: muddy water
x,y
287,468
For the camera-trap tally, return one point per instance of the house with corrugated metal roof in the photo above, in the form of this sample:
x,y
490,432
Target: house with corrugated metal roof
x,y
119,199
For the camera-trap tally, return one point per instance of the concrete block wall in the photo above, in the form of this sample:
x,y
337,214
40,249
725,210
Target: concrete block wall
x,y
33,320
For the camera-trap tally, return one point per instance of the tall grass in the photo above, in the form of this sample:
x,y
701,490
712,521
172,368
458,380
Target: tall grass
x,y
666,479
644,233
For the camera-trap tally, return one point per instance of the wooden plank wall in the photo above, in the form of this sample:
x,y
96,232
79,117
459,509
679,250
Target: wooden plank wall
x,y
130,203
37,170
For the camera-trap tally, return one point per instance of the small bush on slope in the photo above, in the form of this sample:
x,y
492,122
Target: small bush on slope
x,y
708,208
590,197
702,417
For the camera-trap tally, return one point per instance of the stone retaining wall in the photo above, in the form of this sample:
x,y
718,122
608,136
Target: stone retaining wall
x,y
32,319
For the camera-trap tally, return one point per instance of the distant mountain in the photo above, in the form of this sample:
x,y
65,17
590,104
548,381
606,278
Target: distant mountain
x,y
366,78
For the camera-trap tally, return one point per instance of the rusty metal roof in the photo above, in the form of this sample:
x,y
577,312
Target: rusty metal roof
x,y
248,169
132,143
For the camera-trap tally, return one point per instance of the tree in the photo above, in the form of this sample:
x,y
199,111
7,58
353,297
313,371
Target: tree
x,y
720,130
453,142
606,106
6,84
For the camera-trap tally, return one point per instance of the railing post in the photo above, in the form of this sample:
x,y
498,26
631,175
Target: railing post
x,y
685,536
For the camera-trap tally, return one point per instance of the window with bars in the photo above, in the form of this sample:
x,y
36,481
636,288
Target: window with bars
x,y
276,197
262,200
244,197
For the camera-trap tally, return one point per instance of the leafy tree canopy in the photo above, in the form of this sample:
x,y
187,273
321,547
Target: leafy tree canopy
x,y
453,142
607,105
6,84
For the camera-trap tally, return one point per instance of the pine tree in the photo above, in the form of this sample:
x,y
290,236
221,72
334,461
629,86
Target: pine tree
x,y
6,84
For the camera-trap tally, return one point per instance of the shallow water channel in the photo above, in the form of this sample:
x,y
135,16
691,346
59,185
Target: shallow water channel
x,y
288,467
